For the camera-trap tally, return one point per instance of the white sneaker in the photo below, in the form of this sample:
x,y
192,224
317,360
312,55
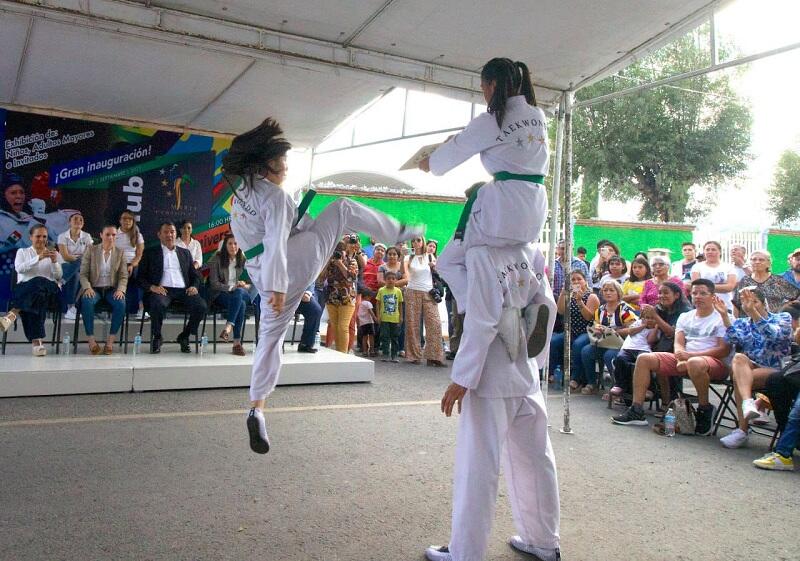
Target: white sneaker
x,y
70,315
762,419
257,430
7,321
735,439
540,553
39,350
438,553
749,409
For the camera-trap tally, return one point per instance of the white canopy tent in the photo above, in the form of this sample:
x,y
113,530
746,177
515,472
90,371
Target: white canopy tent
x,y
220,67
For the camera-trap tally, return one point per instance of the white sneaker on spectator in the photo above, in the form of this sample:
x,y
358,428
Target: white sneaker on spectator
x,y
70,315
39,350
749,409
539,552
735,439
438,553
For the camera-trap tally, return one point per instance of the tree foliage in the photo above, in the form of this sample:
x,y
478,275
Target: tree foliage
x,y
657,144
784,194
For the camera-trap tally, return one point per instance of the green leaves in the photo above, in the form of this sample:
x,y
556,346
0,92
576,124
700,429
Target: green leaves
x,y
784,194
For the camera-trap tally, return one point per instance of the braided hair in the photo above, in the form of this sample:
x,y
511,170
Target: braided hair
x,y
510,78
251,152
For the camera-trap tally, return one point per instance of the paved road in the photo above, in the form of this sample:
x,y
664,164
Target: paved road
x,y
360,481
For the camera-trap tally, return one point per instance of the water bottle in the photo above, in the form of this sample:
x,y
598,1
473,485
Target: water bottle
x,y
669,423
137,345
203,345
66,344
316,340
559,377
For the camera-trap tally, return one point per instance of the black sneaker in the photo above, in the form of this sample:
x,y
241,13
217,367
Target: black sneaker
x,y
704,420
630,417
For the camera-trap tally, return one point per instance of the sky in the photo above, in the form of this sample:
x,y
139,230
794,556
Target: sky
x,y
769,86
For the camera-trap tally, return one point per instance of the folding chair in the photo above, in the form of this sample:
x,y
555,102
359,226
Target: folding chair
x,y
101,306
55,310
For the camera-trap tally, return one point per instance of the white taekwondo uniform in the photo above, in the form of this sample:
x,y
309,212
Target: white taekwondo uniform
x,y
503,414
505,213
292,258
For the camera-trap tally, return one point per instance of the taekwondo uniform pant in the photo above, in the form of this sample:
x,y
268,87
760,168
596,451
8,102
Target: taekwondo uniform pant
x,y
308,250
513,430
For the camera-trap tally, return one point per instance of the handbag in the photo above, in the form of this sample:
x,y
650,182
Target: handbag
x,y
607,339
684,415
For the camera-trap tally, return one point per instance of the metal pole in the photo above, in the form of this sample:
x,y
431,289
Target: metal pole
x,y
311,167
568,97
554,217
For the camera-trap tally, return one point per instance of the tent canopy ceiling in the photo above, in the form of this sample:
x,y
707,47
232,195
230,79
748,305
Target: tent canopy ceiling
x,y
213,66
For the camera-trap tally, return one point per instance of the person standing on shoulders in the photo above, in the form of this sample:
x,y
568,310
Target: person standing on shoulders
x,y
683,269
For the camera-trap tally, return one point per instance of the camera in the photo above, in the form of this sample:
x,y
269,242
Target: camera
x,y
352,238
337,255
435,294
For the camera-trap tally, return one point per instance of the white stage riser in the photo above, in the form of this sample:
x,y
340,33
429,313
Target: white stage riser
x,y
25,375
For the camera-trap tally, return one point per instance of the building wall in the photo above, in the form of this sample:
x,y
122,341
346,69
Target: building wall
x,y
632,237
779,244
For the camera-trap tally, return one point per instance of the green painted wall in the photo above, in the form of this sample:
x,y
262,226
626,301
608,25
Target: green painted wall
x,y
779,245
630,240
440,217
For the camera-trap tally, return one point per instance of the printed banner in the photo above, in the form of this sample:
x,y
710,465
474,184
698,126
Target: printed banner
x,y
53,167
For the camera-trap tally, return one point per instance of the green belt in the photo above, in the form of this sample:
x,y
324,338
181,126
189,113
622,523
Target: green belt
x,y
506,176
301,210
473,194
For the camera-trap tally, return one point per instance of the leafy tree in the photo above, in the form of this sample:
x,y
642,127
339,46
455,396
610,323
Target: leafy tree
x,y
657,144
784,194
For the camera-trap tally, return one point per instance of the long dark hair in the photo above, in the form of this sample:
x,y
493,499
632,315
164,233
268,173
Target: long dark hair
x,y
133,234
224,258
510,78
251,152
647,272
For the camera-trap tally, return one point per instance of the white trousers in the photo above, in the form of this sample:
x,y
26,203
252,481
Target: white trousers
x,y
516,429
308,252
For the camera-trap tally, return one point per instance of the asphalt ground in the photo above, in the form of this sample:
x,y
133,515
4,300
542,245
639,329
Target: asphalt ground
x,y
356,472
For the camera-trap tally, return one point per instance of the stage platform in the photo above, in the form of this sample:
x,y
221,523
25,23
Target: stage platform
x,y
24,375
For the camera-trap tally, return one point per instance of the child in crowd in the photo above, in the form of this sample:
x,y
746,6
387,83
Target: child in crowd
x,y
581,253
390,314
366,323
632,288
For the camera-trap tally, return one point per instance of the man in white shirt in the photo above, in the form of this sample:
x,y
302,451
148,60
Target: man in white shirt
x,y
701,353
166,274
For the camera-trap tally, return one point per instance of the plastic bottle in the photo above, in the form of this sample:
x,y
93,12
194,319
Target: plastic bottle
x,y
669,422
137,345
558,375
316,340
203,345
66,343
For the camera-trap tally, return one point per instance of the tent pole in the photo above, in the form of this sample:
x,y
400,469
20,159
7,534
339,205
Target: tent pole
x,y
553,236
568,98
311,167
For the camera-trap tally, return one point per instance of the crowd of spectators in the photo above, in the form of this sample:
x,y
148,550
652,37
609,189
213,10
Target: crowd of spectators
x,y
704,320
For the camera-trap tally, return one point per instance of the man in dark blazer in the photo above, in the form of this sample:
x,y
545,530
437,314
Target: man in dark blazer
x,y
166,274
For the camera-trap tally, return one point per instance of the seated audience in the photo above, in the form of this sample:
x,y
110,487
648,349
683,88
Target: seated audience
x,y
700,352
167,274
739,261
683,269
104,276
762,340
781,458
226,289
72,244
38,270
582,304
778,291
634,285
793,274
660,267
720,273
311,310
658,335
599,266
130,240
614,314
558,270
186,241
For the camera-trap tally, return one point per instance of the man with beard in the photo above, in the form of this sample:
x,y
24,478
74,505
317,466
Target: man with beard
x,y
793,274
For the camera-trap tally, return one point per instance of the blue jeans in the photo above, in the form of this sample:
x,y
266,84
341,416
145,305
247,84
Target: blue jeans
x,y
312,313
71,279
557,355
789,437
236,302
117,310
589,360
